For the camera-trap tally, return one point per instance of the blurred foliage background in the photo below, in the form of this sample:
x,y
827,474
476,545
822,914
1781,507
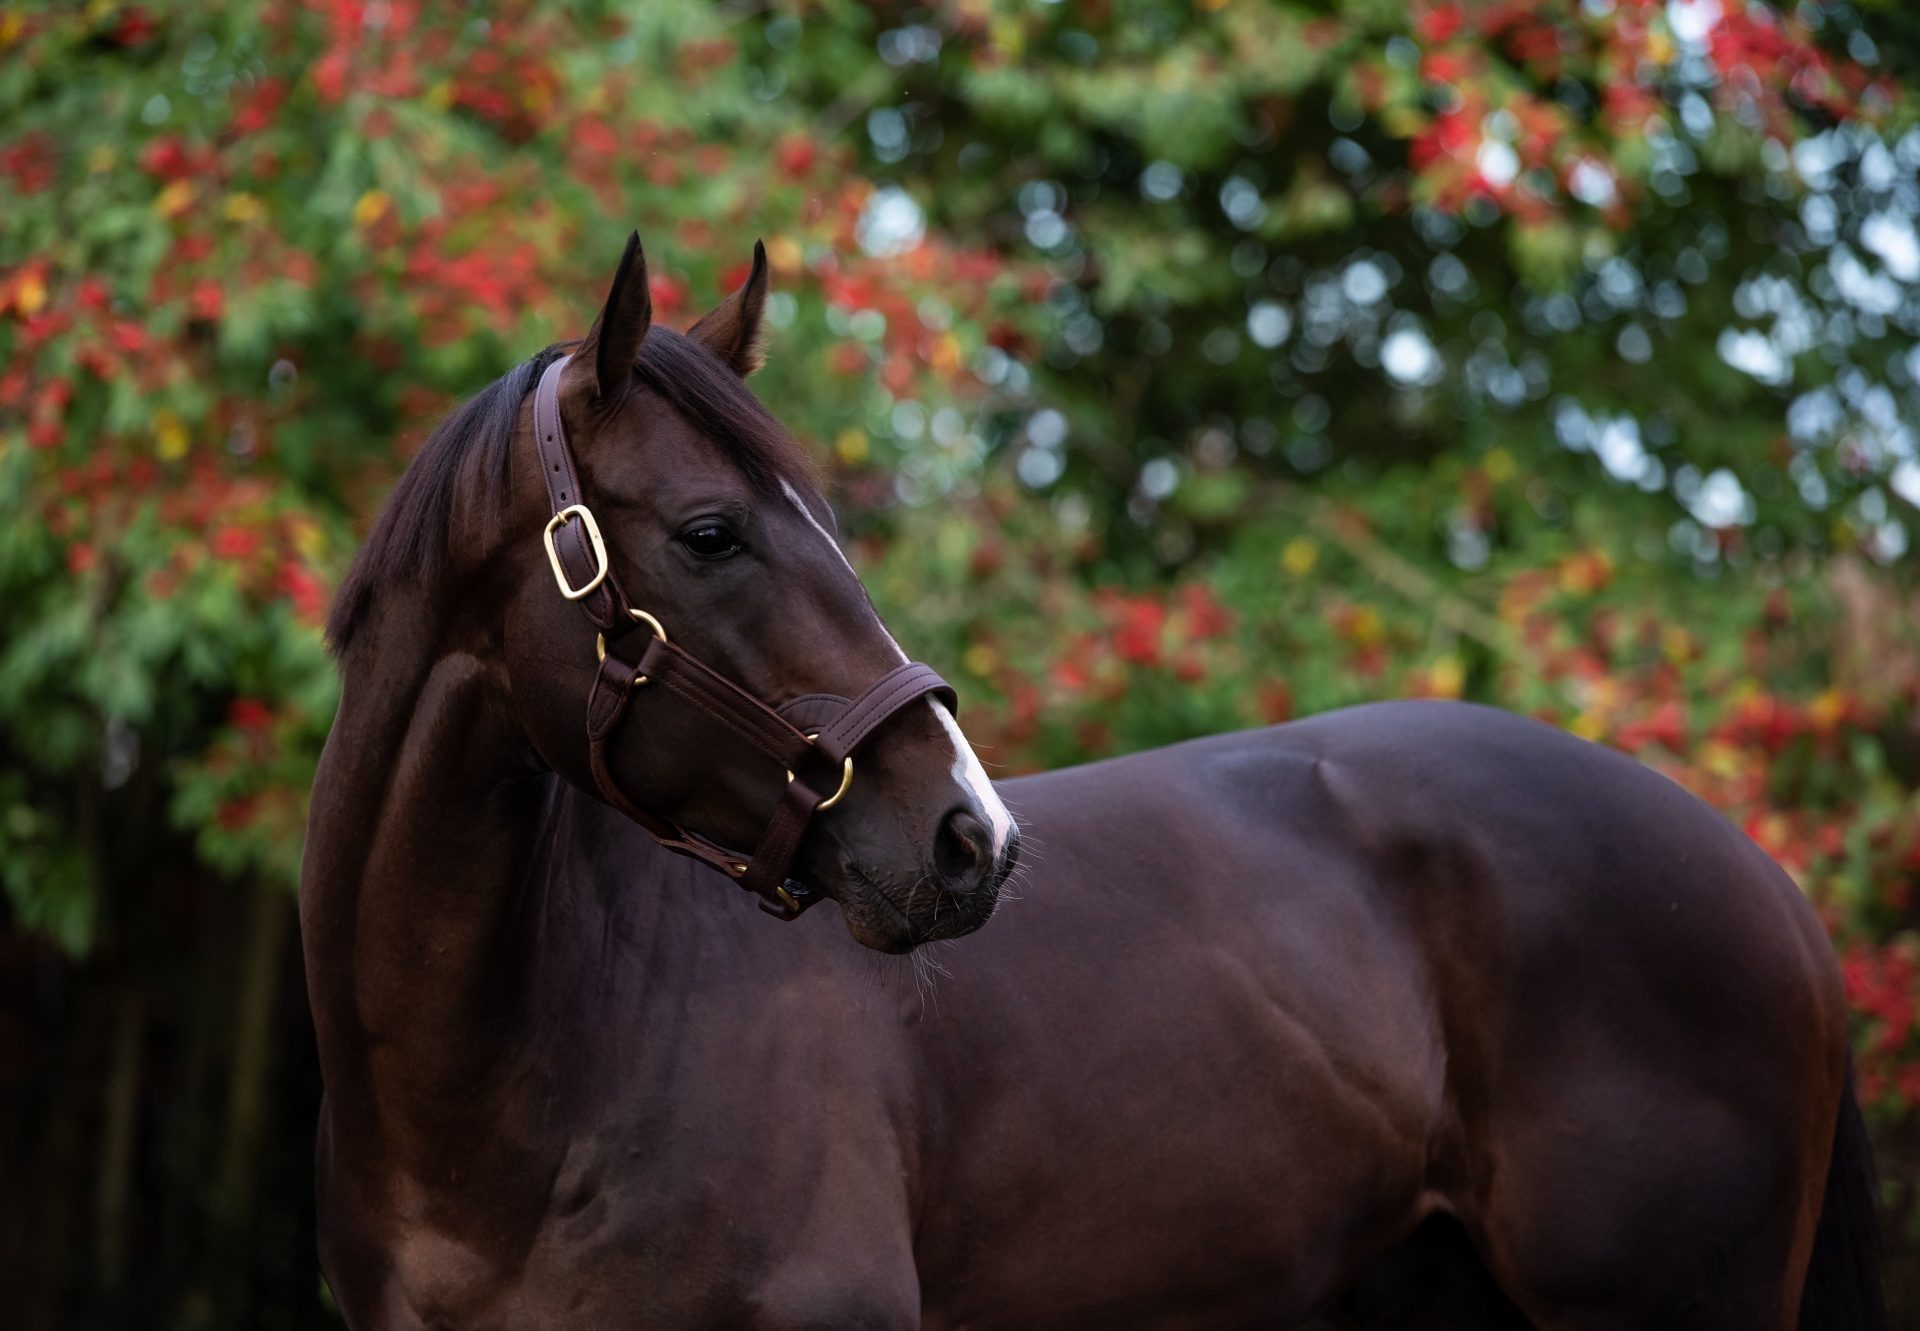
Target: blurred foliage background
x,y
1178,365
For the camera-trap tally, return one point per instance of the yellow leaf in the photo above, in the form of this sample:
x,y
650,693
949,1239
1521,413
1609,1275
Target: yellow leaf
x,y
1367,626
946,353
174,199
1299,556
245,207
783,252
1828,709
851,445
11,26
1584,574
1402,122
1774,831
1448,677
1721,759
980,659
308,539
1588,725
1499,465
30,295
1676,644
169,435
101,159
371,207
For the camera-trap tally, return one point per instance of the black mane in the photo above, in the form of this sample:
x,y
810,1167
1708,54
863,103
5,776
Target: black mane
x,y
408,542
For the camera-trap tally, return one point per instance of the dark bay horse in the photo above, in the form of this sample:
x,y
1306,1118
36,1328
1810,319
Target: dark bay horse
x,y
1412,1016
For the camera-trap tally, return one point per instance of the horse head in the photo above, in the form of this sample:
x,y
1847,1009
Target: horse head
x,y
702,515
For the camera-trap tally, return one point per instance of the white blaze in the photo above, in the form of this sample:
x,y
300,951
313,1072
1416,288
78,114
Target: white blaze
x,y
967,770
793,497
969,773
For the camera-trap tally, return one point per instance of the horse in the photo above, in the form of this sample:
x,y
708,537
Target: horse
x,y
1414,1015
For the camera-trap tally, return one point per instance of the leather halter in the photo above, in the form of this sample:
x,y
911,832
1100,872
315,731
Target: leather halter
x,y
795,738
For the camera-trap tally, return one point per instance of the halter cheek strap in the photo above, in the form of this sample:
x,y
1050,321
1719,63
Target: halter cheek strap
x,y
817,734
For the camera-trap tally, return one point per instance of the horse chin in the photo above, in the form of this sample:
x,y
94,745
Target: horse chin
x,y
897,918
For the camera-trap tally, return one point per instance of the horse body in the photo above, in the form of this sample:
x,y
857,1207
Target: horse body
x,y
1333,978
1415,1015
1319,988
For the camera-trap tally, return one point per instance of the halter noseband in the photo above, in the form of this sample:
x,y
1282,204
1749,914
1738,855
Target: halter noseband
x,y
796,737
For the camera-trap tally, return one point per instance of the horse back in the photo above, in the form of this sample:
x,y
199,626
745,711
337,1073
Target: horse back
x,y
1480,836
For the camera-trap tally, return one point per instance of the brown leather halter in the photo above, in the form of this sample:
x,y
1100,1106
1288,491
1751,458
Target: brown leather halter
x,y
797,737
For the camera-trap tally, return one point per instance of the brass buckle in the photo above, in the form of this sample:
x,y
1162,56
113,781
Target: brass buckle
x,y
780,892
846,779
554,524
600,644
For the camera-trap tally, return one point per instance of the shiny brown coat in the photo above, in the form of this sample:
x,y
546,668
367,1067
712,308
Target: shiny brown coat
x,y
1415,1015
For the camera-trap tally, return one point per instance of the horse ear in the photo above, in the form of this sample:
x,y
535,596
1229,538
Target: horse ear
x,y
613,343
736,330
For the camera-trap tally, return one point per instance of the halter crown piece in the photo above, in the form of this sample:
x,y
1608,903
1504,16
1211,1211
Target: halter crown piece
x,y
804,735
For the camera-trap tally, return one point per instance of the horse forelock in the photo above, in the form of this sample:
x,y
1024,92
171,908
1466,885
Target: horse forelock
x,y
714,398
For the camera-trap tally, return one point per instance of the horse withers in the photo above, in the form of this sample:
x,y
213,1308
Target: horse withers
x,y
1415,1016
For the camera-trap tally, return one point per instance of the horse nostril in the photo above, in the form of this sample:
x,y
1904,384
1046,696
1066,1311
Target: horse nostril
x,y
962,850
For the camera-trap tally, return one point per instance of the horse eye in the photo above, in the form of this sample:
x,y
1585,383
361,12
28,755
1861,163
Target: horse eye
x,y
710,540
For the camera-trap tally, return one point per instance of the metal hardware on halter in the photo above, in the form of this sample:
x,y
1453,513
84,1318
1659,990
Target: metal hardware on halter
x,y
600,639
846,778
555,523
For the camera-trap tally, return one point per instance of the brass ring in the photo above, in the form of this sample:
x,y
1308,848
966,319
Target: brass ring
x,y
846,779
600,639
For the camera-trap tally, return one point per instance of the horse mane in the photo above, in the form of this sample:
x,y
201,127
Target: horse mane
x,y
408,542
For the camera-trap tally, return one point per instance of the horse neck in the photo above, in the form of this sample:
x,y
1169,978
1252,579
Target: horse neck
x,y
465,914
425,885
